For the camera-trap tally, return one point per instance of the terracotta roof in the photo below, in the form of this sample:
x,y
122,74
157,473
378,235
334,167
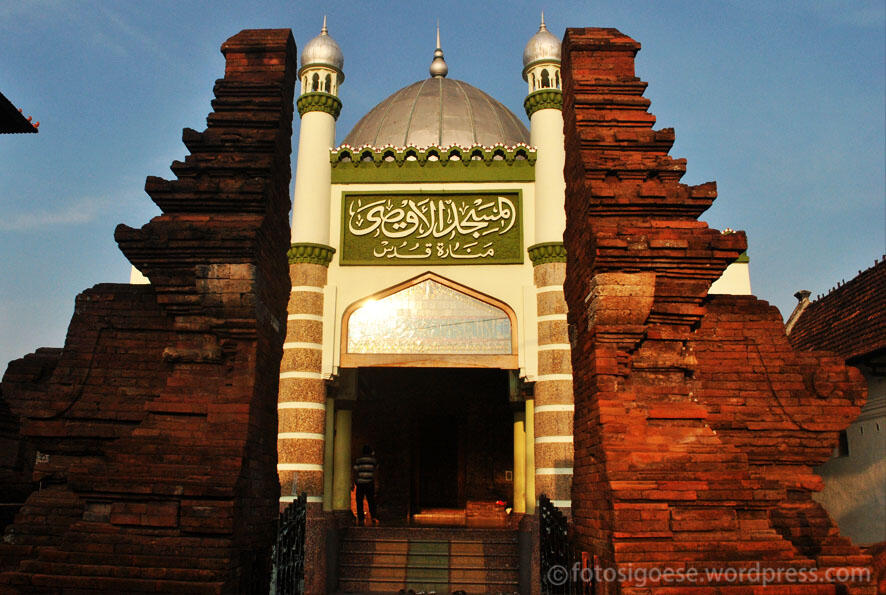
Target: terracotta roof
x,y
12,120
850,320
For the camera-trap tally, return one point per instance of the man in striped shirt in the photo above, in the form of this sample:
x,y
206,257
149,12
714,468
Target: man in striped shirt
x,y
364,477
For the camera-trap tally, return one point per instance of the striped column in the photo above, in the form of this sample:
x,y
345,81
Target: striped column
x,y
554,407
301,404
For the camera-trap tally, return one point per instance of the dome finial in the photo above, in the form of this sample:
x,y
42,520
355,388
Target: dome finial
x,y
543,46
322,51
438,65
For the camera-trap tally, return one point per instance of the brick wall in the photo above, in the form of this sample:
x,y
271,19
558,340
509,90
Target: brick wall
x,y
158,420
696,423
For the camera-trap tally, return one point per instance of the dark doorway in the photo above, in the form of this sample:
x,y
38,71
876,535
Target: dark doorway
x,y
438,468
443,437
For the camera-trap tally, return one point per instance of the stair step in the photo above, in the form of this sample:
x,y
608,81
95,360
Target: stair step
x,y
393,586
388,559
352,570
466,561
495,550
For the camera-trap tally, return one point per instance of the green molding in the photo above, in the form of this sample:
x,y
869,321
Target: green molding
x,y
318,101
543,99
388,164
743,257
547,252
305,252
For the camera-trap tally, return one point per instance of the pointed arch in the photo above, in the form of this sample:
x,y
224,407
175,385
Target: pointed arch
x,y
429,321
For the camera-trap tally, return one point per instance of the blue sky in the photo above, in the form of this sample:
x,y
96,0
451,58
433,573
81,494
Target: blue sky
x,y
782,103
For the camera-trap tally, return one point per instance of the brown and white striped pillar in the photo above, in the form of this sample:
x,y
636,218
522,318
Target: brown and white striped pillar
x,y
553,406
301,404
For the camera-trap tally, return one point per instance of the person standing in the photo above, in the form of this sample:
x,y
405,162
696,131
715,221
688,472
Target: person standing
x,y
365,468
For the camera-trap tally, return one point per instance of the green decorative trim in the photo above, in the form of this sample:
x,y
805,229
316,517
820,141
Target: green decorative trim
x,y
389,164
318,101
547,252
743,257
305,252
544,99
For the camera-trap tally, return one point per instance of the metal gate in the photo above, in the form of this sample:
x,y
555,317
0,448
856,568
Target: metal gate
x,y
558,560
290,549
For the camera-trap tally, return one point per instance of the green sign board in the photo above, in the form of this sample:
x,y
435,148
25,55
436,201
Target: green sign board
x,y
431,228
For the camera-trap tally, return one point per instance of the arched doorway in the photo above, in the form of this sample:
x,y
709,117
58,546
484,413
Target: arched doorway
x,y
433,395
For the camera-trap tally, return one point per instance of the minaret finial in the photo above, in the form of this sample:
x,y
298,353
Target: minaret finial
x,y
542,26
438,65
325,31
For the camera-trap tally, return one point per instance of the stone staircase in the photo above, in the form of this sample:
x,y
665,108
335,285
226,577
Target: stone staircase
x,y
440,560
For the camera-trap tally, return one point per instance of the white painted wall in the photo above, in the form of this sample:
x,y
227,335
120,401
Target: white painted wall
x,y
510,283
735,280
855,486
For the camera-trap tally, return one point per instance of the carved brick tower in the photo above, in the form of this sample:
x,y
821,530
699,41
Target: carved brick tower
x,y
696,423
157,421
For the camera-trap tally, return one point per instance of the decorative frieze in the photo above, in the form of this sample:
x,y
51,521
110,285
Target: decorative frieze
x,y
306,252
547,252
543,99
318,101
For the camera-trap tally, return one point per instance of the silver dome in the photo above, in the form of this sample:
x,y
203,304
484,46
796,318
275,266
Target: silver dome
x,y
322,50
541,46
438,112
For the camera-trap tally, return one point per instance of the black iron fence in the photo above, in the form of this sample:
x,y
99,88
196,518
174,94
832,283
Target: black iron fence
x,y
560,567
290,550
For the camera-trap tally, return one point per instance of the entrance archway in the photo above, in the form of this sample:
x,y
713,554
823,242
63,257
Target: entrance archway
x,y
443,438
433,367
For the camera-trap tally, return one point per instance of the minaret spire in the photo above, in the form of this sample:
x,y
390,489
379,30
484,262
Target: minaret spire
x,y
438,65
325,31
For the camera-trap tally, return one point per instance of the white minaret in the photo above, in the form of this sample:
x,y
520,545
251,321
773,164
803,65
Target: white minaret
x,y
318,105
544,106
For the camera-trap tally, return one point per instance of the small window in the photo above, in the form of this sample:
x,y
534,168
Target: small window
x,y
315,82
328,85
545,79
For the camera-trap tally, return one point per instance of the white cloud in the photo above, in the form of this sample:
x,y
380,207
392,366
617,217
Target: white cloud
x,y
83,211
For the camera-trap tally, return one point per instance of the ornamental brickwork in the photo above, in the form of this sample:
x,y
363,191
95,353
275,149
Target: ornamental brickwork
x,y
157,423
696,423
